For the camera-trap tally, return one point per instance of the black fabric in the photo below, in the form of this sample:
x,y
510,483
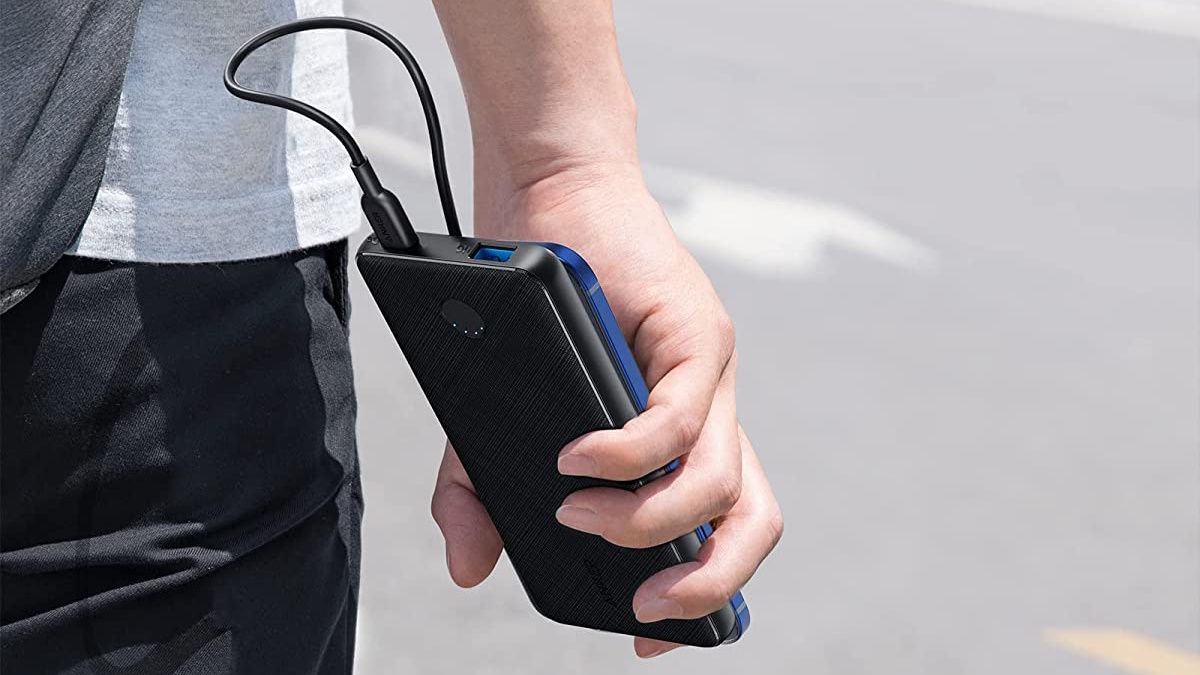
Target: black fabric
x,y
179,478
62,65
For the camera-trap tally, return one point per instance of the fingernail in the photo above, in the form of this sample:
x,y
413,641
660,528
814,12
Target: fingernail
x,y
578,518
657,610
576,464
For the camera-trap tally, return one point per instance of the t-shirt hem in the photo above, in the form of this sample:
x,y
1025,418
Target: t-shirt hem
x,y
209,257
284,221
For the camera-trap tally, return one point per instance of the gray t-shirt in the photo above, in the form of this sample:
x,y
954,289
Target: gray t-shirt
x,y
196,175
61,65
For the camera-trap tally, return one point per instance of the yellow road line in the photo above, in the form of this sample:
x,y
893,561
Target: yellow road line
x,y
1126,650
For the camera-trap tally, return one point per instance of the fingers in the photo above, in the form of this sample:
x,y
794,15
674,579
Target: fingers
x,y
676,412
727,559
706,486
472,543
647,648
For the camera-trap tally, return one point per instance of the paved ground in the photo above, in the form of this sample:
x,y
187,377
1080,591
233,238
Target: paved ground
x,y
980,407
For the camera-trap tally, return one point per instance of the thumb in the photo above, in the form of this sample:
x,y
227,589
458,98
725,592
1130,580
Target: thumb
x,y
472,543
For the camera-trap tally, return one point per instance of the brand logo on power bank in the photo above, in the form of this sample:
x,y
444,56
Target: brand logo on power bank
x,y
462,318
598,582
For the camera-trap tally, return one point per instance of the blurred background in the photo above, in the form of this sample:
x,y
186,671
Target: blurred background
x,y
960,242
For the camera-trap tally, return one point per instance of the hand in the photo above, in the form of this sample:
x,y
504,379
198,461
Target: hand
x,y
684,342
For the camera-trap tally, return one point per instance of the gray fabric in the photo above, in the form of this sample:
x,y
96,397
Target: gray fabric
x,y
9,298
61,69
195,175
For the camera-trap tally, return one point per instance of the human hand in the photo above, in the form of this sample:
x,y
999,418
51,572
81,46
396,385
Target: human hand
x,y
683,340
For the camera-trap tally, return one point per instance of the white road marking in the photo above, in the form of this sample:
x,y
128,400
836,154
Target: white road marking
x,y
764,232
1172,17
773,233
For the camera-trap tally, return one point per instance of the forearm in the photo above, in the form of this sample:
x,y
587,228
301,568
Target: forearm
x,y
545,91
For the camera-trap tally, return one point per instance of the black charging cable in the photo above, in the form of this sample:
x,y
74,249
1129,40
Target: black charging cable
x,y
383,210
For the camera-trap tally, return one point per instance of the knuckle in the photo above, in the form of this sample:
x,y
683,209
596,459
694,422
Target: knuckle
x,y
732,364
684,431
726,332
726,492
717,591
775,525
437,504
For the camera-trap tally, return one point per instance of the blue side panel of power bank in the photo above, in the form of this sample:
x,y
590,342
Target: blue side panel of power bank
x,y
630,373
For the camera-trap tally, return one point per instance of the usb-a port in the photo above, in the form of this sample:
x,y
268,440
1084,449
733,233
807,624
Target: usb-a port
x,y
493,253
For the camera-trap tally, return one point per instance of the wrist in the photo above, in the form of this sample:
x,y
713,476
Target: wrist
x,y
553,201
532,167
522,147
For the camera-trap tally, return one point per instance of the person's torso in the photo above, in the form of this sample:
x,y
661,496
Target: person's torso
x,y
196,175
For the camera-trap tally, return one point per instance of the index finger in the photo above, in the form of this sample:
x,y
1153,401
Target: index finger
x,y
677,409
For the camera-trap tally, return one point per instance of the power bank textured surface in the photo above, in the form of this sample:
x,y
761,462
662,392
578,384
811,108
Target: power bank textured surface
x,y
509,399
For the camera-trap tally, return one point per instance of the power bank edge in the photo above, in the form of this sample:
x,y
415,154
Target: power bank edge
x,y
588,285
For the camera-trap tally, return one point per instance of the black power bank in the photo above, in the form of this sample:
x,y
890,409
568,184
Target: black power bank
x,y
514,346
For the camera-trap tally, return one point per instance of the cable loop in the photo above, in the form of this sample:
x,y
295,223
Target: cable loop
x,y
357,158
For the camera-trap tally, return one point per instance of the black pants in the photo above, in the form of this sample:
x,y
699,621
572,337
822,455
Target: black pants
x,y
178,476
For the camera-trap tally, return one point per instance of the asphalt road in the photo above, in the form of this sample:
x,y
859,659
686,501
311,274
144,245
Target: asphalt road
x,y
969,360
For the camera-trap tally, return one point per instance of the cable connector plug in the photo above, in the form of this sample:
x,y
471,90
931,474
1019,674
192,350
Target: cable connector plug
x,y
384,212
